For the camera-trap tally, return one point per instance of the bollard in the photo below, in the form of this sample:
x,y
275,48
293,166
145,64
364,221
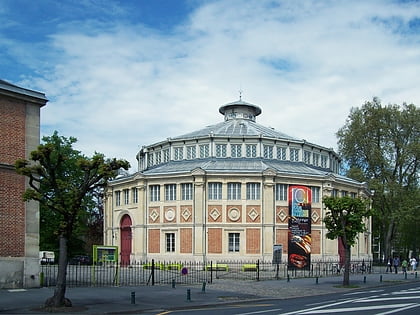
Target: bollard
x,y
316,281
133,297
415,275
364,279
188,294
173,283
405,275
203,288
41,279
288,278
380,278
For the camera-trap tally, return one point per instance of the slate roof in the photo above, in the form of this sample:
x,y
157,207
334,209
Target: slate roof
x,y
236,128
241,165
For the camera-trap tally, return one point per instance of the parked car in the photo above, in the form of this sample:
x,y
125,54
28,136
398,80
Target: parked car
x,y
80,260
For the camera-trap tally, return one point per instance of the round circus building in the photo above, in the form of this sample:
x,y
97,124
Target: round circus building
x,y
235,190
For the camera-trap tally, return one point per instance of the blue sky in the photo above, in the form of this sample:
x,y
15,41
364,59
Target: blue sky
x,y
128,73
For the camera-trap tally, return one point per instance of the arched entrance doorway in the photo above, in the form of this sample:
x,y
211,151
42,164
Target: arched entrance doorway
x,y
125,229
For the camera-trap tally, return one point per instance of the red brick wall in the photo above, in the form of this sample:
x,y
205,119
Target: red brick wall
x,y
186,240
12,131
215,241
12,185
282,238
253,239
154,241
316,242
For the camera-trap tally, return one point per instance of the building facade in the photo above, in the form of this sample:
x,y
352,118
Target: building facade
x,y
19,220
235,190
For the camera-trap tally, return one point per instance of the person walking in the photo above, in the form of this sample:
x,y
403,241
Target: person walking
x,y
389,265
404,265
413,264
396,263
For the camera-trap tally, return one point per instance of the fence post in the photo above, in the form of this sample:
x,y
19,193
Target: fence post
x,y
153,272
211,271
258,270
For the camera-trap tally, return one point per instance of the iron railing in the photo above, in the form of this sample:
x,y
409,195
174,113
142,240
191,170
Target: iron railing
x,y
164,272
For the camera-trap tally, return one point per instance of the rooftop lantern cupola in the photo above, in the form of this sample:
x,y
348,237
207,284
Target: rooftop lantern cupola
x,y
240,110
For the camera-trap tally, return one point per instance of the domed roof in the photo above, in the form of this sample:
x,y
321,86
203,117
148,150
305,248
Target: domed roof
x,y
239,121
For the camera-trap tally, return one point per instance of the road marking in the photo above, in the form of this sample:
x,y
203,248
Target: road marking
x,y
388,299
16,290
399,310
260,312
364,292
354,309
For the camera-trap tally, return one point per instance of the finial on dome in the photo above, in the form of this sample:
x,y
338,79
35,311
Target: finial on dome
x,y
240,94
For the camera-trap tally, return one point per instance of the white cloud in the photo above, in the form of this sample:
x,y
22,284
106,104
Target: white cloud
x,y
119,86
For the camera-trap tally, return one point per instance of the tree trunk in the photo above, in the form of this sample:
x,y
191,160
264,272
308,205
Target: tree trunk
x,y
59,299
388,237
346,277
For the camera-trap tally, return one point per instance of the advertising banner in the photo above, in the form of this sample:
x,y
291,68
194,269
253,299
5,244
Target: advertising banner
x,y
299,233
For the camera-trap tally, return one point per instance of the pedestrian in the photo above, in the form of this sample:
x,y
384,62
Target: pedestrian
x,y
404,265
389,265
396,263
413,263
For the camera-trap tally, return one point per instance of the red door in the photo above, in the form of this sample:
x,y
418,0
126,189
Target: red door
x,y
125,228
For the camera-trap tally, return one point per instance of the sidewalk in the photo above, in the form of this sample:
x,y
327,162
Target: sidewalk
x,y
124,300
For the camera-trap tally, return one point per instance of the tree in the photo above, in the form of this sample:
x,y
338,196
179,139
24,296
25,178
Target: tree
x,y
62,179
344,220
380,144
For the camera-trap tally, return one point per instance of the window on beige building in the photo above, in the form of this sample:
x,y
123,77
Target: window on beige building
x,y
154,193
135,195
234,242
186,191
170,242
253,191
215,191
281,192
126,196
170,192
118,198
234,191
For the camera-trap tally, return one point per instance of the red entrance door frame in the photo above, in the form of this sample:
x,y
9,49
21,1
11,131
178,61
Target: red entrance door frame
x,y
126,237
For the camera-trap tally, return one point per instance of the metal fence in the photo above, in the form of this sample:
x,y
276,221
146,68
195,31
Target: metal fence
x,y
161,272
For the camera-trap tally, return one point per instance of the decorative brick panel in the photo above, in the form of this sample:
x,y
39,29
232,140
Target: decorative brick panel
x,y
154,241
282,238
186,240
186,214
282,214
215,241
316,242
214,213
234,214
253,214
154,215
253,239
169,214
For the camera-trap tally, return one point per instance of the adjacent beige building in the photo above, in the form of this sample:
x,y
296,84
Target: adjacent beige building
x,y
226,192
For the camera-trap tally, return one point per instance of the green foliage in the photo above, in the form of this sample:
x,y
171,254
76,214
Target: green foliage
x,y
63,180
380,144
345,218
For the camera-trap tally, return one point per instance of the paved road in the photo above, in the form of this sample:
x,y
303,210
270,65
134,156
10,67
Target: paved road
x,y
155,299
